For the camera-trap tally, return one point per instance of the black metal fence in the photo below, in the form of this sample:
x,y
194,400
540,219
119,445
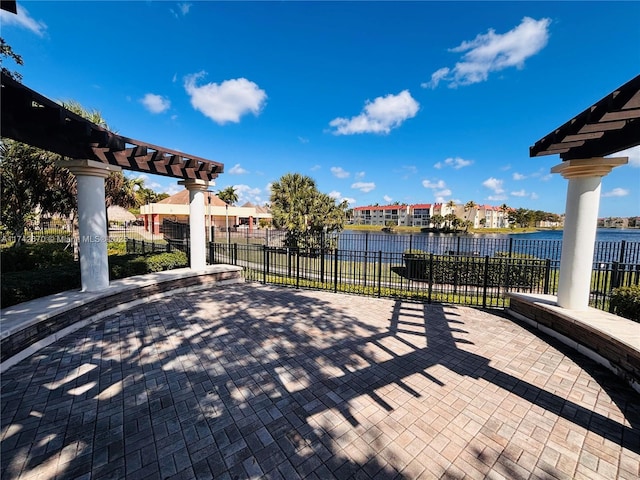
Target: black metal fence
x,y
441,244
469,279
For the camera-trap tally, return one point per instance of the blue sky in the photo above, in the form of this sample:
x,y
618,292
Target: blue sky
x,y
379,102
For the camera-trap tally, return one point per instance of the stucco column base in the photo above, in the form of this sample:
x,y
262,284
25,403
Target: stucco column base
x,y
581,220
92,222
197,241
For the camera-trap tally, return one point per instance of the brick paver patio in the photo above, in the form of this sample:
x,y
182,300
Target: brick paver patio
x,y
249,381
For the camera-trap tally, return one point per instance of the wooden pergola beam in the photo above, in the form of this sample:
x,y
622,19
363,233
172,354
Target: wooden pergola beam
x,y
31,118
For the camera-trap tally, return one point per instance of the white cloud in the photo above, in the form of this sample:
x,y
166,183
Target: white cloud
x,y
497,198
237,170
24,20
303,139
534,196
505,168
456,163
315,167
379,116
337,196
436,77
492,52
633,153
443,193
435,185
519,193
494,184
172,189
339,172
364,186
225,102
359,175
248,194
518,176
616,192
182,10
155,103
387,198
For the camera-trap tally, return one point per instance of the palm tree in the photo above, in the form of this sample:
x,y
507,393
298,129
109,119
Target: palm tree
x,y
437,220
505,209
469,207
298,207
450,218
228,195
120,190
452,205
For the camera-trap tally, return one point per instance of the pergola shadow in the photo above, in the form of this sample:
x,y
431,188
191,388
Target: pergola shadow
x,y
264,382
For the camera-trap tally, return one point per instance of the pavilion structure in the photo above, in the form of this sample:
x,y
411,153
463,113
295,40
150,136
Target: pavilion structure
x,y
609,126
95,152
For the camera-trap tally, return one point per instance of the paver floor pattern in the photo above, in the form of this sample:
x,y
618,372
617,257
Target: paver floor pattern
x,y
252,381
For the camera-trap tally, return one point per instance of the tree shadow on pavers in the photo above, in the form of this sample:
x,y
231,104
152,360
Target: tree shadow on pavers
x,y
261,382
206,390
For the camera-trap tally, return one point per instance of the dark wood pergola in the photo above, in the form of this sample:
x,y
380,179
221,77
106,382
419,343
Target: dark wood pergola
x,y
610,125
34,119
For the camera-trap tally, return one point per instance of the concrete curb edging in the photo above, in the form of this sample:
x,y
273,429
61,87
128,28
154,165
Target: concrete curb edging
x,y
619,353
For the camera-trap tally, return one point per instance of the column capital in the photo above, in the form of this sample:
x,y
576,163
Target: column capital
x,y
89,167
588,167
194,184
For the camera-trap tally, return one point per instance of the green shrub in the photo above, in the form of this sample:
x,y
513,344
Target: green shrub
x,y
18,287
35,256
625,302
129,265
21,286
117,248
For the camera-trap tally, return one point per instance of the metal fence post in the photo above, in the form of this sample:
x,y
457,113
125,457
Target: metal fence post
x,y
379,272
297,268
430,288
265,263
335,270
547,275
235,254
322,247
485,281
623,247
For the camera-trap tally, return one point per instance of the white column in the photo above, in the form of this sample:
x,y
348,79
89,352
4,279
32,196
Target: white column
x,y
581,221
198,244
92,222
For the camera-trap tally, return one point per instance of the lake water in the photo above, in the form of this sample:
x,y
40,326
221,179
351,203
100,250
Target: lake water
x,y
542,244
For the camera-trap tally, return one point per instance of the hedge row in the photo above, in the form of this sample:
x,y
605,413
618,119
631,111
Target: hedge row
x,y
21,286
625,302
444,269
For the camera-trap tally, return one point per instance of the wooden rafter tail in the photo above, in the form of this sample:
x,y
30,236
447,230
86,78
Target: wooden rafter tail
x,y
100,154
177,170
175,160
159,163
206,168
121,159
